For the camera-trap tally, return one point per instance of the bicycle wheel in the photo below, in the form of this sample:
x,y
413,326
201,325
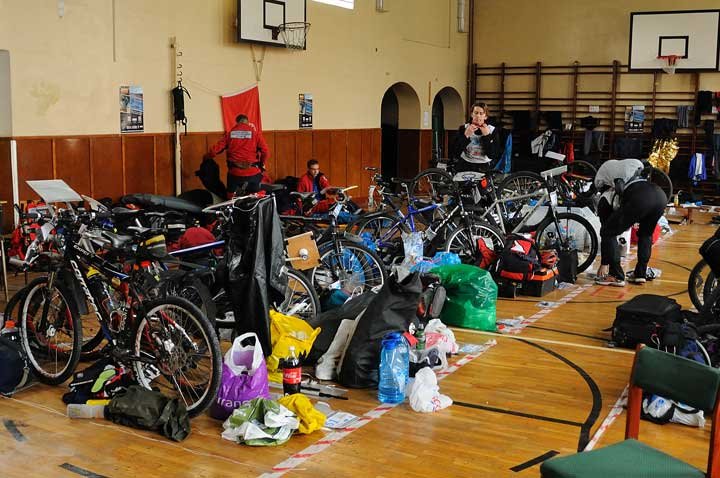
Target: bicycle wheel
x,y
178,352
192,289
431,185
701,284
355,269
575,232
580,176
659,177
386,233
463,242
520,183
301,300
51,332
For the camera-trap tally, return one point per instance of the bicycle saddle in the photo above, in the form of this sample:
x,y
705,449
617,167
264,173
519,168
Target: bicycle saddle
x,y
123,212
117,240
401,180
272,188
169,202
302,195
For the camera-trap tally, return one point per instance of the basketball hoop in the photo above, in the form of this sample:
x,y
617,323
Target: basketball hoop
x,y
293,34
669,63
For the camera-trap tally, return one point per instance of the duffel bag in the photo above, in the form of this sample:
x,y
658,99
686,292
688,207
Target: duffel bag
x,y
642,318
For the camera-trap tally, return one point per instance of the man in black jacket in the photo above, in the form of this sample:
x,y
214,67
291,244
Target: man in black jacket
x,y
477,144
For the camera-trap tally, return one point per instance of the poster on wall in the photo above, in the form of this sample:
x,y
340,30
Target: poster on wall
x,y
131,109
634,119
306,109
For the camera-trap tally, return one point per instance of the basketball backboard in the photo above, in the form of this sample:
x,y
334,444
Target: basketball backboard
x,y
691,35
257,19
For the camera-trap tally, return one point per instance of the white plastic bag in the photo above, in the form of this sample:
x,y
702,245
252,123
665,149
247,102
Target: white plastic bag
x,y
425,394
437,333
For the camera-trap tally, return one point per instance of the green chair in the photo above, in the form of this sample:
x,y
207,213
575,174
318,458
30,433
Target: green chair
x,y
669,376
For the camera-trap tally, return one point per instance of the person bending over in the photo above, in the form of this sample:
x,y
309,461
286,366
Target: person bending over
x,y
627,198
477,144
246,156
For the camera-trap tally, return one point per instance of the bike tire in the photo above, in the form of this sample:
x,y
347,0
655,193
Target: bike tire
x,y
701,283
214,372
302,289
459,239
14,303
431,185
386,232
520,182
33,350
319,275
548,223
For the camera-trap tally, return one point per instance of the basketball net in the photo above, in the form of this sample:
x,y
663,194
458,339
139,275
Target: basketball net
x,y
669,63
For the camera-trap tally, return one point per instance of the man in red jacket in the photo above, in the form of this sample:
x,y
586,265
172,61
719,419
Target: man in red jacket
x,y
246,156
315,181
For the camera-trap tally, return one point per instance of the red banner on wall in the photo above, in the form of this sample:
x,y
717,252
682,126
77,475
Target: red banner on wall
x,y
245,102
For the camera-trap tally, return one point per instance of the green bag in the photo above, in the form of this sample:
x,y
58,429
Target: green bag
x,y
471,296
149,410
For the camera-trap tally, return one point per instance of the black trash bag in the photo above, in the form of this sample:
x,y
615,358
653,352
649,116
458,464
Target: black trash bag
x,y
255,258
392,310
14,366
145,409
329,322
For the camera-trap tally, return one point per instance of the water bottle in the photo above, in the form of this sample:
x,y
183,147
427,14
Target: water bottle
x,y
394,369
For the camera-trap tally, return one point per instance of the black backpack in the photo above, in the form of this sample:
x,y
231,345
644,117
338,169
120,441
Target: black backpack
x,y
643,319
14,366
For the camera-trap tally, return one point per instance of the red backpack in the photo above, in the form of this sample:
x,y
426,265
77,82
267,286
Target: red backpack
x,y
520,258
486,257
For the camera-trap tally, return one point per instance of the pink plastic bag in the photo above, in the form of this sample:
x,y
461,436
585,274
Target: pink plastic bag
x,y
244,376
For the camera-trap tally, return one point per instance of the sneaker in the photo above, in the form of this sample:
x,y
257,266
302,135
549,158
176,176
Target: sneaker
x,y
610,280
637,280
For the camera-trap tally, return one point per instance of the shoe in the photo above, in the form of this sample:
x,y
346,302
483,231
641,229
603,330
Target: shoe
x,y
610,280
637,280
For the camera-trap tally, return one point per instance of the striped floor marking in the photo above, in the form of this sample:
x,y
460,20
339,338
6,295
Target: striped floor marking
x,y
615,412
516,329
326,442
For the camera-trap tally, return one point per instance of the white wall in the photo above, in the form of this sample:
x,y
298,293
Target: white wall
x,y
5,104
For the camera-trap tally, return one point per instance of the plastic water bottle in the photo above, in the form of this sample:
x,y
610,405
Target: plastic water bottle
x,y
394,369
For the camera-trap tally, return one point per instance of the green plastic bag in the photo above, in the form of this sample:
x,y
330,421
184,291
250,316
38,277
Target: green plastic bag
x,y
471,296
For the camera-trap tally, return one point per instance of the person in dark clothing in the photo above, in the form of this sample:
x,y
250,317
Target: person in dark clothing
x,y
477,144
638,201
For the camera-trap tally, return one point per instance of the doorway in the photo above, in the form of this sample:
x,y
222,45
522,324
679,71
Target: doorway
x,y
400,124
447,115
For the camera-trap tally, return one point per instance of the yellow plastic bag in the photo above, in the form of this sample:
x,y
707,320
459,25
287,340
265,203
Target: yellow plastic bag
x,y
310,418
286,331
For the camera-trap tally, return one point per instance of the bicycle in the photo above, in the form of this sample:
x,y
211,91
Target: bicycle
x,y
345,262
455,230
167,342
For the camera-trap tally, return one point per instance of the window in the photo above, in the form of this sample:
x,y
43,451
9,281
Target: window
x,y
349,4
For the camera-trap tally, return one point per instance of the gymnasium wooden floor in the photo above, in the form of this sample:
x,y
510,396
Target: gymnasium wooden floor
x,y
547,388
